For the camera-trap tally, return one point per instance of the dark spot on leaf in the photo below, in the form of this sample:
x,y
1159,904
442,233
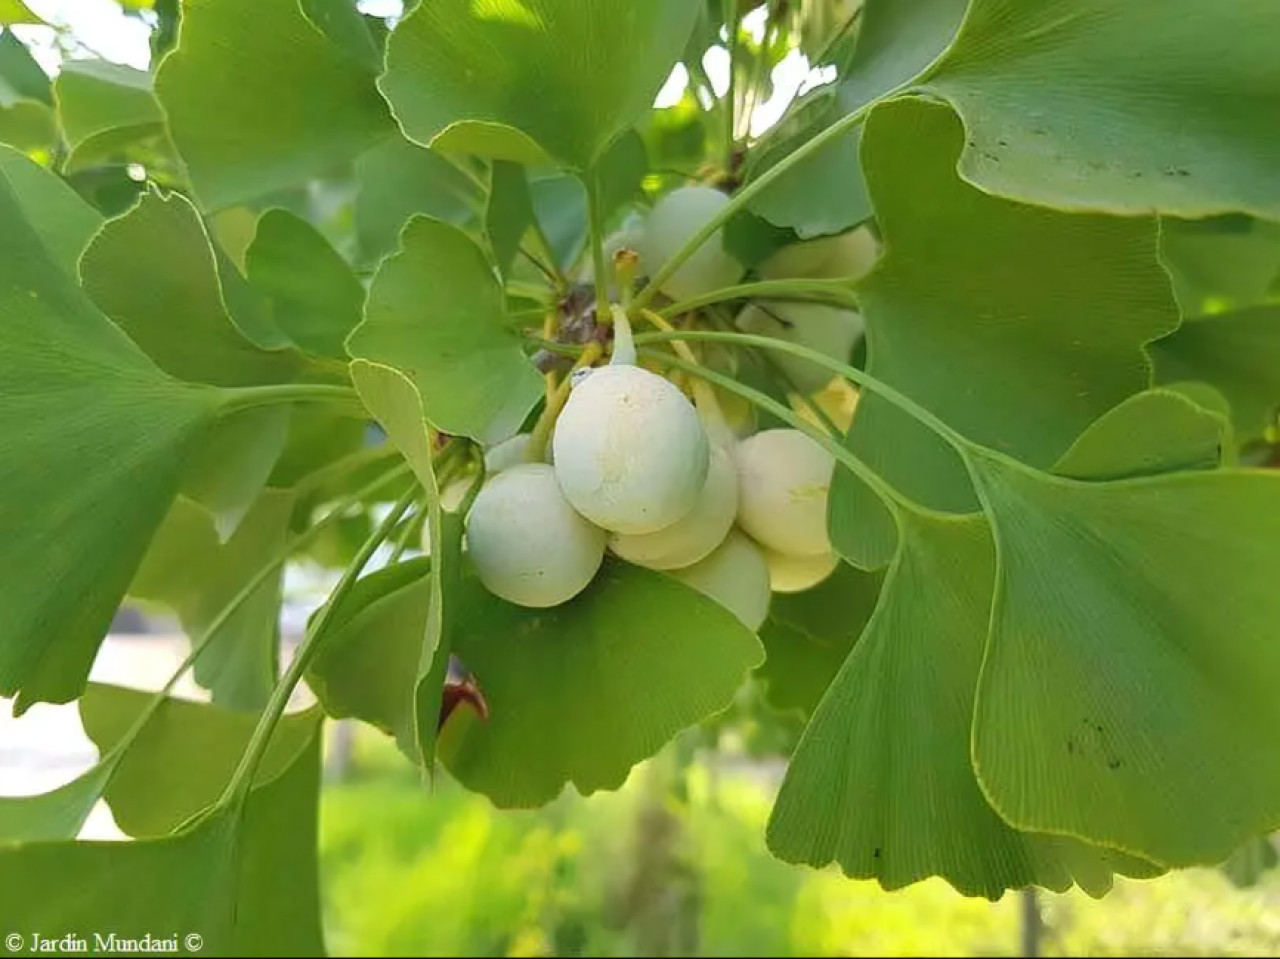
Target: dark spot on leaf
x,y
1113,763
1003,143
875,854
1038,132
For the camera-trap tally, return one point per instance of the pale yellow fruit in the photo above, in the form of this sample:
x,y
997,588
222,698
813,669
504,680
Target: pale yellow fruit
x,y
795,574
842,256
829,330
671,223
783,481
735,576
692,538
508,453
528,545
630,451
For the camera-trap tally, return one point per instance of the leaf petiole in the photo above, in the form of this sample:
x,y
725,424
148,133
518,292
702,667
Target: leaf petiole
x,y
237,790
251,397
200,644
595,224
805,290
865,380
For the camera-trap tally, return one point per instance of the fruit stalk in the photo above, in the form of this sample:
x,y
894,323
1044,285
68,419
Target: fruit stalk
x,y
555,403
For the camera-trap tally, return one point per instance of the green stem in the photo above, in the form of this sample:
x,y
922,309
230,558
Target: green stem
x,y
242,779
410,530
341,467
729,13
744,196
865,380
530,291
892,498
541,434
544,247
199,645
784,380
806,289
250,397
596,223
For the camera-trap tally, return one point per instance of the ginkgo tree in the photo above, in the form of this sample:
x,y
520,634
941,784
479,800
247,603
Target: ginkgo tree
x,y
943,409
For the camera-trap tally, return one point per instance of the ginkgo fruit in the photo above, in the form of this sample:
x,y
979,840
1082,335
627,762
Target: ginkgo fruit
x,y
528,545
510,452
843,256
784,478
629,450
692,538
829,330
795,574
735,576
672,222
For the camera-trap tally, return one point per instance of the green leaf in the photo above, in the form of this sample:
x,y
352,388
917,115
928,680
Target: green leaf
x,y
1220,263
21,77
1157,431
822,194
190,570
315,298
531,80
15,11
258,99
110,434
154,272
1122,108
317,437
808,636
509,212
342,23
235,459
397,405
897,40
1238,353
367,668
57,814
397,179
582,692
63,221
28,125
1020,358
881,781
244,882
436,313
1127,693
184,756
104,107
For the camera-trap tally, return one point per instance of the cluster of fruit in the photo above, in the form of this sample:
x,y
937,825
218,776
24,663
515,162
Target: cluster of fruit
x,y
634,468
637,470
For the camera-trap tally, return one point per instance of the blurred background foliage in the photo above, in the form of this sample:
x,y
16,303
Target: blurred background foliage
x,y
674,864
